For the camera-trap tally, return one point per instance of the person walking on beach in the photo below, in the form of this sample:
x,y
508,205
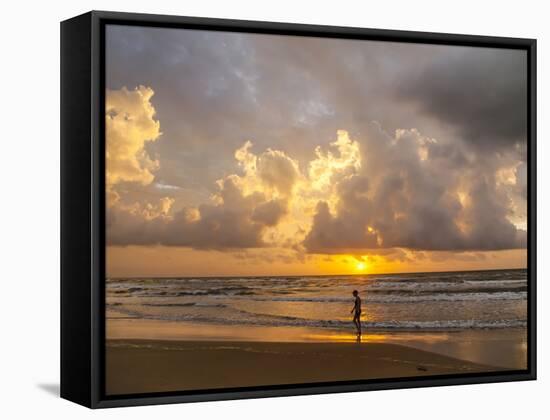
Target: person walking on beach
x,y
356,311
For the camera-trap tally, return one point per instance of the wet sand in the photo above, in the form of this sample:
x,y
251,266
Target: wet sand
x,y
506,348
141,366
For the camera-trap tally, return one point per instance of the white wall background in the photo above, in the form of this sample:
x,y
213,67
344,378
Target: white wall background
x,y
29,208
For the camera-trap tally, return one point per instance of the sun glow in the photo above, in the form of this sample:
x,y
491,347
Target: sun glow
x,y
361,266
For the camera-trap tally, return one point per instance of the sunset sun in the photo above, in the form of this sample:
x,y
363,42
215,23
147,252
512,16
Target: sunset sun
x,y
361,266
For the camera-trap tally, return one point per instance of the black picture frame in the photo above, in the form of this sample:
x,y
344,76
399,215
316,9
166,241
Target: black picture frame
x,y
83,207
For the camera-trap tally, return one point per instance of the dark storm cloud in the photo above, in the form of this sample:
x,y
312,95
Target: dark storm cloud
x,y
481,92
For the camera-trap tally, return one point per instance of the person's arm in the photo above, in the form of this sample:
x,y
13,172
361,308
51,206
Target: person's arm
x,y
354,306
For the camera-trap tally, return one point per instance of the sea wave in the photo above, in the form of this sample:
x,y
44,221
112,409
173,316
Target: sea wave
x,y
289,321
379,293
396,298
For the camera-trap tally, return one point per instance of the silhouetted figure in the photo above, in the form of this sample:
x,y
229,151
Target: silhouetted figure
x,y
356,311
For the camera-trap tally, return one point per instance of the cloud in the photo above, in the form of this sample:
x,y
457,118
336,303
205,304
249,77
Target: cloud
x,y
420,196
278,171
271,170
130,124
334,235
269,213
482,93
236,217
416,197
325,170
229,224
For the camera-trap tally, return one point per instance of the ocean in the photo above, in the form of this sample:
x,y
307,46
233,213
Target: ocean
x,y
415,301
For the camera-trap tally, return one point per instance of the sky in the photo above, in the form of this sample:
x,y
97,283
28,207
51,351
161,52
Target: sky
x,y
246,154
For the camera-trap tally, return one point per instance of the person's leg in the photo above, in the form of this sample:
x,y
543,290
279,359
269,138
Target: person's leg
x,y
356,322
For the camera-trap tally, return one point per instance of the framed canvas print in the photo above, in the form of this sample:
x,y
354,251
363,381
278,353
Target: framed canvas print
x,y
256,209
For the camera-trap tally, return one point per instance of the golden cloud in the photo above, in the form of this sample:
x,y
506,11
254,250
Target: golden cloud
x,y
130,124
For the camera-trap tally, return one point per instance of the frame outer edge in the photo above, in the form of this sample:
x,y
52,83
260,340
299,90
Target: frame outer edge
x,y
96,336
75,125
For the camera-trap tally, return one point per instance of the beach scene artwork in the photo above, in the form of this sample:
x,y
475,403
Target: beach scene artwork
x,y
285,210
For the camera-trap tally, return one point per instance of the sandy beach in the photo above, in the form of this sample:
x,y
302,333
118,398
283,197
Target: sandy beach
x,y
140,366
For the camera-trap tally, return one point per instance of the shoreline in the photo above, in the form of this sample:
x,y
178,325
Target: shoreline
x,y
141,366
